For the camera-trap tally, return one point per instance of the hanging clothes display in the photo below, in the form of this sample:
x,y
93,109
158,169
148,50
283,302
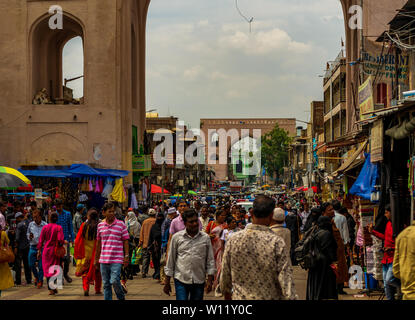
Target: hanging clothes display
x,y
97,190
83,197
90,187
377,250
144,191
108,188
133,203
118,191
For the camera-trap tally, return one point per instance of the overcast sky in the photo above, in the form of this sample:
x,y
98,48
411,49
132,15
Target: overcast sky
x,y
202,61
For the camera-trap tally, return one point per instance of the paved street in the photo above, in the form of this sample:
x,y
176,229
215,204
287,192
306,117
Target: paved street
x,y
138,289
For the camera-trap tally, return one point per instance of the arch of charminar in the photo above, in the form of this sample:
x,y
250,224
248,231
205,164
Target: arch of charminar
x,y
95,130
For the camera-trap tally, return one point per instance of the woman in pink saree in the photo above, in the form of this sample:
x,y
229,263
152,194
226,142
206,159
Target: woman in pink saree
x,y
50,236
214,229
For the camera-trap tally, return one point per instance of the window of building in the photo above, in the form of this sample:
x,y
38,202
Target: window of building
x,y
382,94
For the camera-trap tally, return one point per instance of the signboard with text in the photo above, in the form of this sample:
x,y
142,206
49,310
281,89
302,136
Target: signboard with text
x,y
366,99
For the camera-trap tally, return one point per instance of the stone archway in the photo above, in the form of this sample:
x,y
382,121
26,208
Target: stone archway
x,y
46,48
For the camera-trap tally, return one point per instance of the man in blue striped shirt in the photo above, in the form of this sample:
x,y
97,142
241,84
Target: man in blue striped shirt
x,y
65,221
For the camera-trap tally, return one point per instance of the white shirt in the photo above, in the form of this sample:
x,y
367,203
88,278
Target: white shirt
x,y
341,224
226,234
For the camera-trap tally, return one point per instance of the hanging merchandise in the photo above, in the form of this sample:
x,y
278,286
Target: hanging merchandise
x,y
90,187
133,203
107,189
84,185
101,185
118,192
97,186
377,250
83,197
366,181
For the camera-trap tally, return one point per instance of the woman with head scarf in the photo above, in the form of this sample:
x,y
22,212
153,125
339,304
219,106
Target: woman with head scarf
x,y
134,228
154,243
312,218
321,281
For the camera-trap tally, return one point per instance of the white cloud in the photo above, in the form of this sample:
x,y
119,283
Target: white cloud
x,y
261,43
203,23
203,62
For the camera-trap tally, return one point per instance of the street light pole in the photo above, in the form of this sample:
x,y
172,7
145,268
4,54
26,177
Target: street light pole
x,y
162,182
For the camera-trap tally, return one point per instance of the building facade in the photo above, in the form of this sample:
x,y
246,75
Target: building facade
x,y
210,126
38,126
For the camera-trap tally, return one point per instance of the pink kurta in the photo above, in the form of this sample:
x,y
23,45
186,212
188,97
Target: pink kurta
x,y
50,235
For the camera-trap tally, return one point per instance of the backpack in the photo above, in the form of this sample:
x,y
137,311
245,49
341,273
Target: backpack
x,y
307,253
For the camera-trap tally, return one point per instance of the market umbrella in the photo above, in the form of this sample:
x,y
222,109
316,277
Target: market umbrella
x,y
157,189
12,179
192,192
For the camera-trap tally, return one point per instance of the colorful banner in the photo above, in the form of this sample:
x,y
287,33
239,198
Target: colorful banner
x,y
366,99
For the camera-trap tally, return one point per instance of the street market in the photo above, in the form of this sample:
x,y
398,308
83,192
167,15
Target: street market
x,y
168,160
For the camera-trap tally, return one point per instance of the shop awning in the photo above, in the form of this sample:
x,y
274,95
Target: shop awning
x,y
350,161
46,173
75,171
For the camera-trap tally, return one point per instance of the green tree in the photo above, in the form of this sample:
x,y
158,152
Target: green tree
x,y
274,151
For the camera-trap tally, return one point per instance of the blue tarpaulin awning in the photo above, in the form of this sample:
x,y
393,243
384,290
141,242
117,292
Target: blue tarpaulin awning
x,y
75,171
366,181
46,173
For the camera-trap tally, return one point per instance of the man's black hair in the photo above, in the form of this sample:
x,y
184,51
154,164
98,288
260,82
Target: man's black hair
x,y
343,210
229,220
336,205
263,206
388,207
188,214
33,203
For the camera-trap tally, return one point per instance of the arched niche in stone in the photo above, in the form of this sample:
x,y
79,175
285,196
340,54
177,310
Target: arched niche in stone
x,y
46,48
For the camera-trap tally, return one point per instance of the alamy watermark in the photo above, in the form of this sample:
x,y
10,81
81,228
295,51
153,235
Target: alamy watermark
x,y
56,281
356,19
56,20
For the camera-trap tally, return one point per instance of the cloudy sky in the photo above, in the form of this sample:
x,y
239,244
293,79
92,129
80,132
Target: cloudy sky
x,y
202,61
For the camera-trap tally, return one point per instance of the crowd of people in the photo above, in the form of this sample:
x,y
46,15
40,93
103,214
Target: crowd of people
x,y
204,246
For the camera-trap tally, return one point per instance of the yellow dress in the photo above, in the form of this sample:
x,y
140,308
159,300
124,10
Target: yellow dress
x,y
82,265
6,278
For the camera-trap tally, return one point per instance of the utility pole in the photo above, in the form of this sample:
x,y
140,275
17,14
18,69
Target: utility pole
x,y
162,181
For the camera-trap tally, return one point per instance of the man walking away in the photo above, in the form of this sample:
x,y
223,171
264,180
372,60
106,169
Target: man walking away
x,y
33,234
144,237
403,263
260,252
190,259
277,225
22,249
78,218
112,251
65,221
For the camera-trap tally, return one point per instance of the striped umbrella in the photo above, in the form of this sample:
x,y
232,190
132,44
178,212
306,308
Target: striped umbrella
x,y
12,179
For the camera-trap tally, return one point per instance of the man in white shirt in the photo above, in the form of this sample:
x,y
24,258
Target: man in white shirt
x,y
341,222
